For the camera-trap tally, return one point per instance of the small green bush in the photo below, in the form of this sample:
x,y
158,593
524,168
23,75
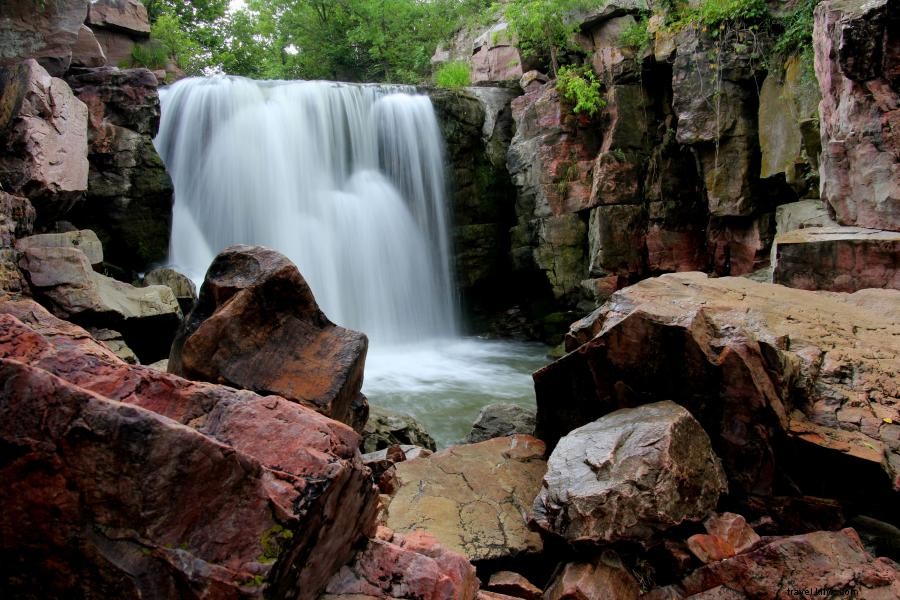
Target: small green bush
x,y
798,29
637,35
714,12
455,74
580,86
152,54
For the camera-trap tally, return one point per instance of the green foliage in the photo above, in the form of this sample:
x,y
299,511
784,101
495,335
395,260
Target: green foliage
x,y
152,54
580,87
797,30
714,12
541,27
637,35
453,74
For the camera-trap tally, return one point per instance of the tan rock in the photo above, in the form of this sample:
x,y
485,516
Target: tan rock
x,y
84,240
513,584
473,498
605,578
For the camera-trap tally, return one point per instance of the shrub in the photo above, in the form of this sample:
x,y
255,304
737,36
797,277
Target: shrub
x,y
580,86
714,12
453,74
152,54
636,36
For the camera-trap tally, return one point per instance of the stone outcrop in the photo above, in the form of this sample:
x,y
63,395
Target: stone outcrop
x,y
16,220
629,476
160,486
129,194
385,428
404,566
118,26
46,31
84,240
87,52
495,56
257,326
513,584
501,419
837,259
857,50
756,363
802,214
43,144
472,498
184,289
606,577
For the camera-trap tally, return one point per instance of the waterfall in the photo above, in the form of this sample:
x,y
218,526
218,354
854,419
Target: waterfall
x,y
346,180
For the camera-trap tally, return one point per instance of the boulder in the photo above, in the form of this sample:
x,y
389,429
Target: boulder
x,y
44,141
629,476
87,52
158,484
857,48
404,566
837,259
834,561
114,341
757,362
513,584
501,419
471,497
606,577
726,535
16,220
385,428
257,326
184,289
802,214
127,16
84,240
46,31
61,277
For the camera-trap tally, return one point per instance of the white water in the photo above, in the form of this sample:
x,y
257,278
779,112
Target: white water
x,y
348,182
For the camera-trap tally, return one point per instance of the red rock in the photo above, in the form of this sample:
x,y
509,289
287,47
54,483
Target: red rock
x,y
513,584
45,31
495,57
756,362
837,259
127,16
856,53
410,566
322,496
116,46
727,535
739,246
87,51
257,326
606,578
834,561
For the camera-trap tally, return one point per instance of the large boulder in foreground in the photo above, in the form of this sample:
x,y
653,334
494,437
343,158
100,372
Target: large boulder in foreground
x,y
628,476
753,362
857,51
257,326
472,497
159,486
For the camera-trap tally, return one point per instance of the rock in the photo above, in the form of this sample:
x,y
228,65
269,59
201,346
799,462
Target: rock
x,y
382,460
496,58
758,362
560,253
385,428
837,259
629,476
834,561
802,214
856,51
113,340
513,584
501,419
605,578
740,245
160,365
727,535
246,491
62,279
16,220
116,46
43,31
87,51
404,566
532,80
127,16
257,326
84,240
472,497
609,57
617,240
45,138
184,289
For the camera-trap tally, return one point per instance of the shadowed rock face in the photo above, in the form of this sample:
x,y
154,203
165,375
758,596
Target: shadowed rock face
x,y
162,487
257,326
628,476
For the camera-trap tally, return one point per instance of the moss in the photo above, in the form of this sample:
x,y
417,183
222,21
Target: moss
x,y
272,541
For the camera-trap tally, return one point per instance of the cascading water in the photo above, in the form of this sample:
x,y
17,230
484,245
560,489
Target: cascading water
x,y
348,182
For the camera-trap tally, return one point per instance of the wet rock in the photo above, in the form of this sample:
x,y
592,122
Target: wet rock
x,y
44,31
385,428
837,259
16,221
472,498
87,52
84,240
404,566
629,476
513,584
606,577
835,561
501,419
856,49
257,326
757,362
184,289
247,491
727,535
44,138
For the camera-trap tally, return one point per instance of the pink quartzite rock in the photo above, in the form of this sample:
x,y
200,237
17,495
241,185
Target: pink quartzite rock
x,y
837,259
605,577
45,31
162,487
727,534
87,51
257,326
405,566
857,51
127,16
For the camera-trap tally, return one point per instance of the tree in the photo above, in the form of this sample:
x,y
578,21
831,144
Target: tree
x,y
542,27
